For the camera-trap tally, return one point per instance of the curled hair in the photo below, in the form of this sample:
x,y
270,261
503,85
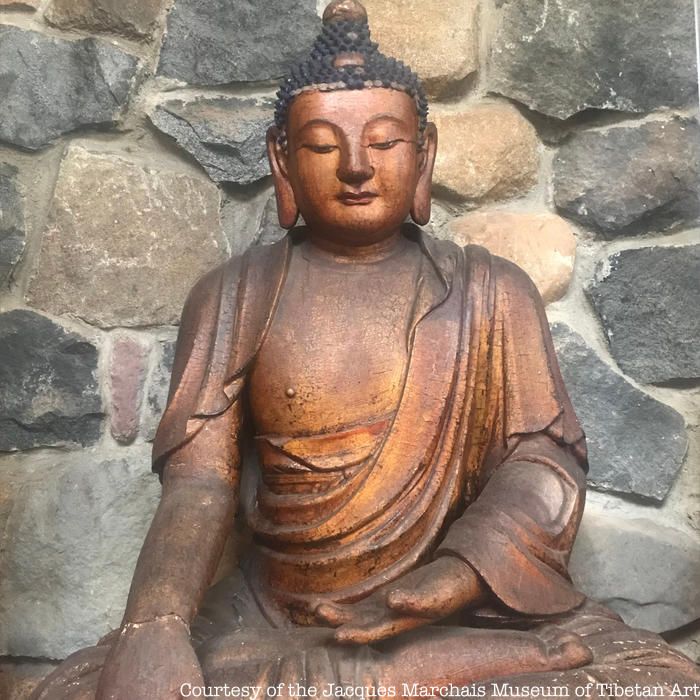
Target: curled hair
x,y
362,66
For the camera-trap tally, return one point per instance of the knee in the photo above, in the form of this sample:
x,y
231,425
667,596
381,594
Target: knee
x,y
76,678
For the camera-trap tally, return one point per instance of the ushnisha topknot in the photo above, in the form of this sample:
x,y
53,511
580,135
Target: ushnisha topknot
x,y
344,57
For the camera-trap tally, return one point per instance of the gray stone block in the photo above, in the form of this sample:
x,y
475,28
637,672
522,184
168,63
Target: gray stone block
x,y
644,571
563,57
157,386
649,303
226,135
51,86
12,229
631,179
213,42
50,394
72,529
636,444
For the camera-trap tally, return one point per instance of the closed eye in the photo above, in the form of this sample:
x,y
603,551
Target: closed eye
x,y
385,145
320,148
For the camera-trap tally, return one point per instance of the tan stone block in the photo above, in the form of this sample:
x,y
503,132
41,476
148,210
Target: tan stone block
x,y
486,152
124,243
20,4
438,39
544,245
129,17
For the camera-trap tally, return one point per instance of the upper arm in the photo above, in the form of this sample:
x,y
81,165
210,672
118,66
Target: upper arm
x,y
198,433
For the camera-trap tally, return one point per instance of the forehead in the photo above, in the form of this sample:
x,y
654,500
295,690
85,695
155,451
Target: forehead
x,y
352,109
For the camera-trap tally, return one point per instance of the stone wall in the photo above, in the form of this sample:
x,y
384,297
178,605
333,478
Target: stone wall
x,y
131,161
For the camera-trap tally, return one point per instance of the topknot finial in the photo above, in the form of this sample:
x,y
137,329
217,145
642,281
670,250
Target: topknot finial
x,y
344,10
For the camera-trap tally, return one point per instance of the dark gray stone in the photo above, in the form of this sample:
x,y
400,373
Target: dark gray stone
x,y
562,57
51,86
251,221
12,231
226,135
649,303
213,42
73,528
270,230
635,443
50,394
157,386
631,179
644,571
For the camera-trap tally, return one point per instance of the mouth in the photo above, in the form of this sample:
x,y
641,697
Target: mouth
x,y
356,198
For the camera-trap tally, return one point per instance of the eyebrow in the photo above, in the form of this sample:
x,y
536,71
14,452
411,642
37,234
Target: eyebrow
x,y
387,116
317,122
374,118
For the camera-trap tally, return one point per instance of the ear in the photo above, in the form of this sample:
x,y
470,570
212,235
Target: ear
x,y
420,211
287,210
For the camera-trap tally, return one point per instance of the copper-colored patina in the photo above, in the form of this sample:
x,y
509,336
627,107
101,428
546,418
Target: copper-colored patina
x,y
418,459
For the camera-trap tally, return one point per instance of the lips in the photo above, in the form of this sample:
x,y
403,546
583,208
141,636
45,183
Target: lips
x,y
357,198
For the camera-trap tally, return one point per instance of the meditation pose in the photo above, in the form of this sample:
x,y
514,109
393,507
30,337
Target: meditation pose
x,y
385,412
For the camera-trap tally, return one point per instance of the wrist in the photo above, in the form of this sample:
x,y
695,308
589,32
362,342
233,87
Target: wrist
x,y
171,619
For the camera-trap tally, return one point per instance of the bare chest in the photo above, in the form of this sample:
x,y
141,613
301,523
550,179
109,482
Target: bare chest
x,y
336,352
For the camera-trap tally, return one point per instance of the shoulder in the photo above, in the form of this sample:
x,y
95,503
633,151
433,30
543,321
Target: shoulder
x,y
257,261
505,276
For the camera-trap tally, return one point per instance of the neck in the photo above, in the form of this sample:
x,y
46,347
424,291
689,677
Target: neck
x,y
354,253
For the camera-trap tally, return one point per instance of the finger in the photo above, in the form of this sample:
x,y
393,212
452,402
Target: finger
x,y
412,603
376,631
333,615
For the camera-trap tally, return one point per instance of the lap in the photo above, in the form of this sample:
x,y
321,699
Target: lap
x,y
238,644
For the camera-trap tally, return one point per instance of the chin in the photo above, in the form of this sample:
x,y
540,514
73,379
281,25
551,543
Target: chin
x,y
360,227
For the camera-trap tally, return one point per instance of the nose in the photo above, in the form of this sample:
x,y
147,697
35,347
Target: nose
x,y
355,166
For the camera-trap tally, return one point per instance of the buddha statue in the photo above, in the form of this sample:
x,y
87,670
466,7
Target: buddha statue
x,y
386,413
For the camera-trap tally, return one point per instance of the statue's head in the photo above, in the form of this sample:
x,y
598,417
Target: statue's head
x,y
351,149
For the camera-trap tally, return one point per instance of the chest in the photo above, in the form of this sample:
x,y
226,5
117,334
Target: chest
x,y
335,354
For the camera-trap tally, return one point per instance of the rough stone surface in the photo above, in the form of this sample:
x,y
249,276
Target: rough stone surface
x,y
213,42
157,388
124,243
631,179
50,393
269,230
70,538
226,135
130,17
127,373
636,444
542,244
249,222
12,230
52,86
562,57
646,572
20,4
489,152
451,25
649,303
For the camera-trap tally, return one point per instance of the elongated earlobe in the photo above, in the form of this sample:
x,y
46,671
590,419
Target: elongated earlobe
x,y
287,210
420,211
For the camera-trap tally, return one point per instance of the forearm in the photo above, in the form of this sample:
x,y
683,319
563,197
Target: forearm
x,y
182,549
519,532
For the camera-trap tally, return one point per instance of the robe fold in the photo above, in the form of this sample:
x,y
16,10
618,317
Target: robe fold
x,y
483,428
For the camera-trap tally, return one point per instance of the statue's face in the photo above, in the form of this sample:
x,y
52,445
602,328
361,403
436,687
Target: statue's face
x,y
353,162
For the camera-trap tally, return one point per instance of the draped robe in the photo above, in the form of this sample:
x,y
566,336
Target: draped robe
x,y
483,459
483,402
